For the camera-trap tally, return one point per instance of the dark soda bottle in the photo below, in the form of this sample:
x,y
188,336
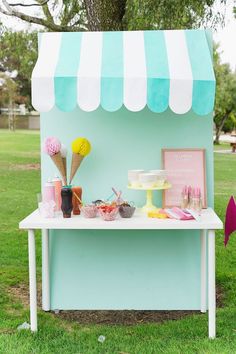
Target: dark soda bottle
x,y
66,205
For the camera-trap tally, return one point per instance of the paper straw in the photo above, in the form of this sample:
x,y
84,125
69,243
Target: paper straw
x,y
78,197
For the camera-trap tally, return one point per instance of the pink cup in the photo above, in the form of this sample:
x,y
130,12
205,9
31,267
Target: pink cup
x,y
58,186
48,192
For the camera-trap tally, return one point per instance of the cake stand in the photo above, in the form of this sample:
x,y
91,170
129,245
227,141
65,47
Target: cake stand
x,y
149,206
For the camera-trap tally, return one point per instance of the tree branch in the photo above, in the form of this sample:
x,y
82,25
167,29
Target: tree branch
x,y
47,12
37,20
28,5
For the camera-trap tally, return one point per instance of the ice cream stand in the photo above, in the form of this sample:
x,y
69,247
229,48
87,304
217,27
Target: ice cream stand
x,y
131,94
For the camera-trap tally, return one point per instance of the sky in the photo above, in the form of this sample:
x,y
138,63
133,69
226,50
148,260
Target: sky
x,y
226,37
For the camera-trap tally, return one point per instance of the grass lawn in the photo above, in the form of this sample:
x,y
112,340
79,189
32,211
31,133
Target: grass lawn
x,y
18,188
222,146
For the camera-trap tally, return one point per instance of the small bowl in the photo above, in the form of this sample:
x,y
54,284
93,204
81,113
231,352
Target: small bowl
x,y
126,211
89,211
108,216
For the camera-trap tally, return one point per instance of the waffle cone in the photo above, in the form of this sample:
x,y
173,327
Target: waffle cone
x,y
64,164
58,161
76,161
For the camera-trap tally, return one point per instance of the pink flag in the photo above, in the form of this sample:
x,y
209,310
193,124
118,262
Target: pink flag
x,y
230,219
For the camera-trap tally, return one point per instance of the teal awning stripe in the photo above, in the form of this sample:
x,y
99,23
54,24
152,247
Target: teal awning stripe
x,y
157,71
112,71
202,71
65,79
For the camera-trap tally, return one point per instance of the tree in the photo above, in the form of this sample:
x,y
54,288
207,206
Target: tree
x,y
230,124
225,105
104,15
8,94
172,14
18,52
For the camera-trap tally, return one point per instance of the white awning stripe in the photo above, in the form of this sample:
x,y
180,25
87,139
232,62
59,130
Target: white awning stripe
x,y
181,79
43,96
89,73
135,75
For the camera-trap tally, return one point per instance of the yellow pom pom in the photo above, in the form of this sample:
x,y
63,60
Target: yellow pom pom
x,y
81,146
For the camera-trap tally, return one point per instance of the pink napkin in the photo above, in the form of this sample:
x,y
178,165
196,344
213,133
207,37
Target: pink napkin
x,y
178,213
230,219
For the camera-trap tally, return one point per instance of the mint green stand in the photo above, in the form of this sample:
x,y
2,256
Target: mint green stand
x,y
125,269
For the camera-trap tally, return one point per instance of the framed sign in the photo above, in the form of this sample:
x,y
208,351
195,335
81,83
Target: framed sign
x,y
184,167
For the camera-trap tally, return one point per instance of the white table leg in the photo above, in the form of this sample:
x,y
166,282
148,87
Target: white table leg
x,y
211,285
45,271
203,270
32,281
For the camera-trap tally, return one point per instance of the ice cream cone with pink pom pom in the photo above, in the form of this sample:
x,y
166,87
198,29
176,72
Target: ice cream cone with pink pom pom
x,y
52,147
58,161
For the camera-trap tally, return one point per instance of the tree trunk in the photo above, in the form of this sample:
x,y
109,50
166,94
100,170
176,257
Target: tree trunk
x,y
219,128
92,15
13,118
10,114
217,137
105,15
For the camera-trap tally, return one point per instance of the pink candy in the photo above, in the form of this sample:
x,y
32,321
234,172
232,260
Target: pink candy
x,y
51,146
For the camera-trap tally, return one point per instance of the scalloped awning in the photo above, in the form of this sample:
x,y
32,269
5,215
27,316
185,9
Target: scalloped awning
x,y
159,69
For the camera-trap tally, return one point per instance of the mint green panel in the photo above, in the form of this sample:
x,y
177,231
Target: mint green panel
x,y
65,79
202,70
157,71
112,71
125,269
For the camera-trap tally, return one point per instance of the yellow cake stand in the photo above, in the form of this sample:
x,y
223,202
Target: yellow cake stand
x,y
149,206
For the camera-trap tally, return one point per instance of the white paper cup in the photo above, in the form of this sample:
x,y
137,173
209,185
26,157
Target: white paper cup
x,y
147,180
160,177
133,177
159,172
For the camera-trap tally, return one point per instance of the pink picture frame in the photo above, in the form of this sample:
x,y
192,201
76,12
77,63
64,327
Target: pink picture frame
x,y
184,167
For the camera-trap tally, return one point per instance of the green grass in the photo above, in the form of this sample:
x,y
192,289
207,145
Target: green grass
x,y
18,189
222,146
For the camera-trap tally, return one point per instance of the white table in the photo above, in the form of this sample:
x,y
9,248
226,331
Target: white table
x,y
208,223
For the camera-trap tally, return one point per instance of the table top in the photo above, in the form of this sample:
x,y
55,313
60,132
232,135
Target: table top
x,y
208,220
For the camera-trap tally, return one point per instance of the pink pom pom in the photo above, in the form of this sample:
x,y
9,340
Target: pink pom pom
x,y
51,146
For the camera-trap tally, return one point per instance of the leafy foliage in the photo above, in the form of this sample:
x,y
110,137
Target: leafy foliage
x,y
225,106
171,14
8,90
18,51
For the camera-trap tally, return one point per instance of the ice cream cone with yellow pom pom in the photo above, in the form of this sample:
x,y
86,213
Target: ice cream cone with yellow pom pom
x,y
81,147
